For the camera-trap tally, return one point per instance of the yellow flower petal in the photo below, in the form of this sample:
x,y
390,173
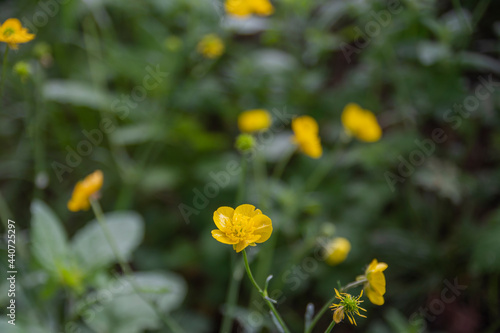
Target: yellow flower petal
x,y
377,282
375,266
374,297
84,190
13,33
305,130
263,227
337,250
254,120
222,237
211,46
223,217
361,123
240,246
238,7
304,125
246,210
338,315
241,227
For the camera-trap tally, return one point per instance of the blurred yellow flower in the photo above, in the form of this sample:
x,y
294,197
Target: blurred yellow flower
x,y
84,190
361,123
254,120
244,8
375,284
348,306
337,250
306,136
211,46
12,32
241,227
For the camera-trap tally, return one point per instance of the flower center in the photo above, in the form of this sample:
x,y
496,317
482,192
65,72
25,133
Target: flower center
x,y
8,32
241,227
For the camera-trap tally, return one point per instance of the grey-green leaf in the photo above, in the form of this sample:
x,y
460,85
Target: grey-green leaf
x,y
92,248
49,241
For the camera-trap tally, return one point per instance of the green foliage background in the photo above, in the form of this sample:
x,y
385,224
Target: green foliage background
x,y
440,223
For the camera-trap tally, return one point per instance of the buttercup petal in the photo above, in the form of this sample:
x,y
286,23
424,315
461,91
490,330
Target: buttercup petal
x,y
223,217
222,237
374,297
263,227
240,246
245,210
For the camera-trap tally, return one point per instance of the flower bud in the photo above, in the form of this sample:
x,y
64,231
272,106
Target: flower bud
x,y
245,142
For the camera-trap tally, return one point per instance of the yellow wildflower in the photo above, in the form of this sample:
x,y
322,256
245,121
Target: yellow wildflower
x,y
238,7
254,120
361,123
84,190
262,7
348,306
244,8
241,227
211,46
12,32
337,250
375,281
306,136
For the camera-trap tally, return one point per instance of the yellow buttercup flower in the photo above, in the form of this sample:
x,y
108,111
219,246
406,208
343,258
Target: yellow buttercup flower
x,y
337,250
211,46
244,8
254,120
348,306
361,123
306,136
241,227
262,7
12,32
84,190
375,281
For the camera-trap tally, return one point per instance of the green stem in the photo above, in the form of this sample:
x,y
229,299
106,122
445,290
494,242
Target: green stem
x,y
4,69
243,177
330,301
127,270
264,295
329,329
352,285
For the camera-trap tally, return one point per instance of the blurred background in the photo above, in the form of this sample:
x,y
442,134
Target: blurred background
x,y
121,86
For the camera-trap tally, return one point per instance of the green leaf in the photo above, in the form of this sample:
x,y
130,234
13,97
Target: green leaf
x,y
49,241
92,248
122,310
485,254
